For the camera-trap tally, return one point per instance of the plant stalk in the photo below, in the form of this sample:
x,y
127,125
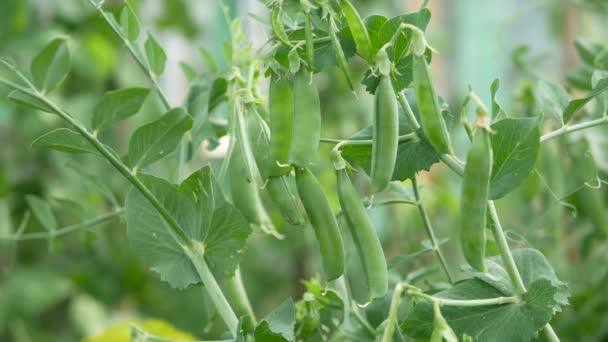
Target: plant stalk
x,y
429,230
196,252
567,129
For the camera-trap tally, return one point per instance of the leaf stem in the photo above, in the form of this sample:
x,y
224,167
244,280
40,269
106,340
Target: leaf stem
x,y
429,230
409,113
196,252
505,252
389,330
101,219
140,62
342,142
567,129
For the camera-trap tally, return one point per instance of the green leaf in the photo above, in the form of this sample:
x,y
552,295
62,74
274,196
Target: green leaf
x,y
117,105
157,139
516,145
532,266
580,77
576,104
507,322
25,99
552,98
497,110
95,182
374,24
51,65
128,24
217,94
403,64
278,325
65,140
42,211
203,214
157,59
587,50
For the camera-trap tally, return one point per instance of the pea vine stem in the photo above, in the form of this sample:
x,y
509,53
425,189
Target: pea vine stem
x,y
193,249
343,142
413,291
148,72
429,230
101,219
573,128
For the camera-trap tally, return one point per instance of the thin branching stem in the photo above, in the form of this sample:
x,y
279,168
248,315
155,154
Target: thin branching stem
x,y
101,219
343,142
429,230
578,127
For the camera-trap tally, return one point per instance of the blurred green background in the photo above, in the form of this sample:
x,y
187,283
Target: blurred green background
x,y
80,283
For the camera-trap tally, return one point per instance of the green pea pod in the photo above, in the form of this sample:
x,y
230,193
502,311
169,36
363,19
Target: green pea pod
x,y
385,135
306,121
281,124
335,42
358,31
285,199
363,232
278,187
431,120
246,195
276,22
474,200
310,46
323,222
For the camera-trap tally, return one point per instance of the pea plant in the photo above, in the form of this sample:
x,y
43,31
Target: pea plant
x,y
194,228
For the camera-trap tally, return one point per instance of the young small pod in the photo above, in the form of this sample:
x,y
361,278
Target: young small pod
x,y
323,222
306,122
310,46
362,230
340,57
246,195
385,135
276,22
281,124
431,120
358,30
286,199
474,199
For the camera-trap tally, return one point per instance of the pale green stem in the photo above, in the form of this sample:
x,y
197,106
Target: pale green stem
x,y
196,252
409,113
237,295
567,129
68,229
404,137
505,251
429,230
389,330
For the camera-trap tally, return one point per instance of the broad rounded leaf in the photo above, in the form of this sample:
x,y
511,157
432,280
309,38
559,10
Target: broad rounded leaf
x,y
576,104
118,105
507,322
51,65
202,213
515,145
65,140
157,59
552,98
157,139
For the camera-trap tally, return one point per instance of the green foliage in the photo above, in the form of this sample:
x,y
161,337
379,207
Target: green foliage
x,y
189,233
51,65
154,140
203,214
64,140
116,106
